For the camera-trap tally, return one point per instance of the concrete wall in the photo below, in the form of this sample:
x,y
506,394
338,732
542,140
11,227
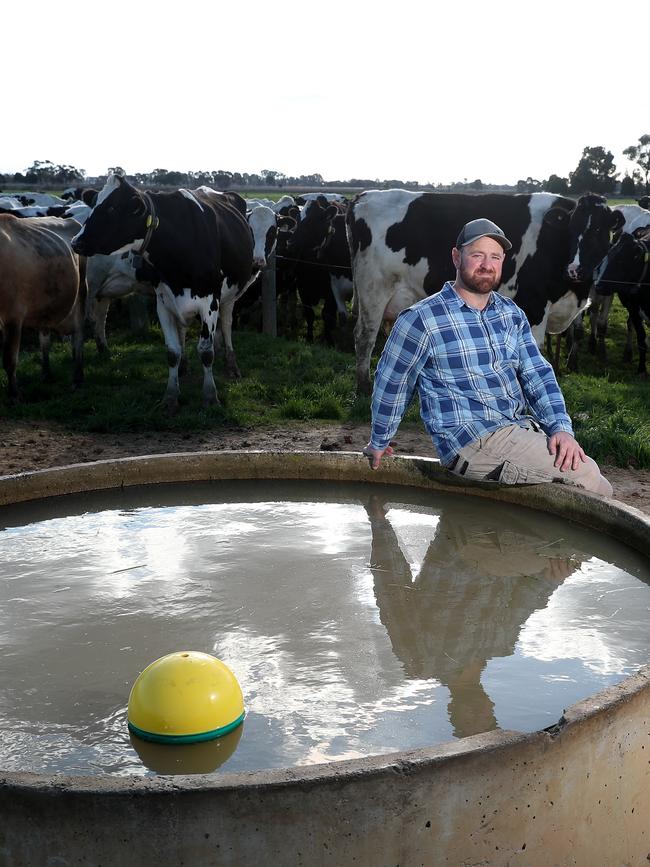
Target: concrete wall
x,y
578,794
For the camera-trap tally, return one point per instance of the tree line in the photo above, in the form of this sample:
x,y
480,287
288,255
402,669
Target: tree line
x,y
595,172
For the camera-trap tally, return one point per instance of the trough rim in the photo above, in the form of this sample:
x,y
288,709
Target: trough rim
x,y
627,524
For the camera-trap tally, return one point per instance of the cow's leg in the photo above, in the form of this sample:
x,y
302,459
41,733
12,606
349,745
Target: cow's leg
x,y
183,365
601,325
209,314
310,317
637,324
77,344
44,341
557,352
627,349
10,348
329,319
100,315
574,333
229,295
341,290
170,328
291,312
594,312
366,330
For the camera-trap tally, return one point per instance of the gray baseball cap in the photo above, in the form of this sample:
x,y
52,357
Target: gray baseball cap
x,y
482,228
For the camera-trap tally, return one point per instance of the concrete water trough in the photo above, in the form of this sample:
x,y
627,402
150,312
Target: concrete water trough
x,y
577,792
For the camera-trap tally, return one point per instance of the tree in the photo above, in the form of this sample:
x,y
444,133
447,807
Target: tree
x,y
628,186
68,174
222,179
270,176
640,154
40,171
557,185
595,172
530,185
45,172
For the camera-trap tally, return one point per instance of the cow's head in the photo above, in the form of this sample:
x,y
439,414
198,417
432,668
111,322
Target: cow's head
x,y
117,221
627,262
263,226
592,228
314,226
335,234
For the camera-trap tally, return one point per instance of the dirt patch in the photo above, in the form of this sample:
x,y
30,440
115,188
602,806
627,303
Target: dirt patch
x,y
36,445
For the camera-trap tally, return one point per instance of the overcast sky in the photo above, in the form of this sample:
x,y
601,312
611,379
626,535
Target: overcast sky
x,y
348,88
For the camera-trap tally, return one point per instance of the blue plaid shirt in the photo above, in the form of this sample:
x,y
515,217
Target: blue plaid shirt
x,y
474,371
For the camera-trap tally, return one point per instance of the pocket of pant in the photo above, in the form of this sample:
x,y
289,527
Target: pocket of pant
x,y
512,474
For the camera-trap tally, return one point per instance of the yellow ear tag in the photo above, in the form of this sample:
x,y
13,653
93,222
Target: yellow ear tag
x,y
149,221
611,237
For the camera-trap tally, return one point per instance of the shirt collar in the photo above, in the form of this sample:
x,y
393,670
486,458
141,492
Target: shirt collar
x,y
451,296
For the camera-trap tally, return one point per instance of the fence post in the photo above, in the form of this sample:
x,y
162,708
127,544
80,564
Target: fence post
x,y
269,299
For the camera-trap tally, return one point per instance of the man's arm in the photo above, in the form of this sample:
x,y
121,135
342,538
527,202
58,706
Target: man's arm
x,y
395,382
544,397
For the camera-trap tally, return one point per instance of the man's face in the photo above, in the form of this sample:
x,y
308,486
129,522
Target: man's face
x,y
479,265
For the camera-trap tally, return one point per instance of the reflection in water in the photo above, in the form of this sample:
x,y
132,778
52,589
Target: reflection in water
x,y
477,585
200,758
358,619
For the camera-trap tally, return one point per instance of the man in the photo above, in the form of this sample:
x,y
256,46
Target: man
x,y
488,398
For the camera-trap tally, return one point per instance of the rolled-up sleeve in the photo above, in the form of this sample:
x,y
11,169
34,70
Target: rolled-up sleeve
x,y
540,386
396,376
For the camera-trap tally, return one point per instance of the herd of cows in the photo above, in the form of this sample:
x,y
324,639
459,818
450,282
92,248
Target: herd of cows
x,y
198,251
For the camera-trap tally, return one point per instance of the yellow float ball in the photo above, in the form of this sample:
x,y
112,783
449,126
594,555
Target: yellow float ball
x,y
185,697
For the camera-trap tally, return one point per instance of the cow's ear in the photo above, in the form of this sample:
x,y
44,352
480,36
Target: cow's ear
x,y
641,232
618,220
286,223
331,212
294,212
139,207
556,217
322,201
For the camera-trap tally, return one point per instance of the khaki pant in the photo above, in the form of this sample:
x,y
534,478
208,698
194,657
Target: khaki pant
x,y
515,455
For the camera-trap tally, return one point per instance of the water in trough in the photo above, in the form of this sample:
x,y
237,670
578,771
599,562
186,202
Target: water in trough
x,y
359,619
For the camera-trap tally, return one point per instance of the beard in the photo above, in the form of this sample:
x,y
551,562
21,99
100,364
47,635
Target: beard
x,y
481,282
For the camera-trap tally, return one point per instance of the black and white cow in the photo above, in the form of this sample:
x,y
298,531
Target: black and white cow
x,y
87,195
329,197
401,243
263,223
320,257
635,218
36,211
109,278
626,271
194,244
8,204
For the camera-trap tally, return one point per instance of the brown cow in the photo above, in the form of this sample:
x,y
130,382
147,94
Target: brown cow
x,y
39,288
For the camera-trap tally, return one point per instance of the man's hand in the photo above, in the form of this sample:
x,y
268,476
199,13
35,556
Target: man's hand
x,y
568,452
375,455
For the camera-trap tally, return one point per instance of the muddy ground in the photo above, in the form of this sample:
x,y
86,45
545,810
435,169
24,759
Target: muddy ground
x,y
37,445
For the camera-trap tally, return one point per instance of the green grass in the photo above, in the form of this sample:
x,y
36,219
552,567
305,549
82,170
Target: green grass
x,y
290,380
